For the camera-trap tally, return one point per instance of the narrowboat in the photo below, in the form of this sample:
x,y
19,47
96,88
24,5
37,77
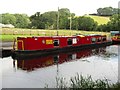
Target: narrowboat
x,y
34,46
115,36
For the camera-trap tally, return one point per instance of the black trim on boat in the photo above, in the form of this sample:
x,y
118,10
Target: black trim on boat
x,y
18,54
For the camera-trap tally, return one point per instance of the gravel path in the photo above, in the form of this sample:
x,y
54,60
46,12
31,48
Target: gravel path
x,y
6,44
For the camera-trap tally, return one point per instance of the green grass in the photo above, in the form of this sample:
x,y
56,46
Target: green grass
x,y
8,38
8,34
99,19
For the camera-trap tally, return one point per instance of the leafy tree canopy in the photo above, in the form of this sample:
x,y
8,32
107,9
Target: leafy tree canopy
x,y
8,19
107,11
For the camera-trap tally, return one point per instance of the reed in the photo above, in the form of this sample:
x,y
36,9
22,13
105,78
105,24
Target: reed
x,y
80,82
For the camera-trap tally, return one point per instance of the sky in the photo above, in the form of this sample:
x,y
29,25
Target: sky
x,y
30,7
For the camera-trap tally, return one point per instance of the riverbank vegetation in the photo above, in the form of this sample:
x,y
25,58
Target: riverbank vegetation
x,y
62,21
81,82
9,34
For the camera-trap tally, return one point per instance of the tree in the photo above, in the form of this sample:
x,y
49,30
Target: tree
x,y
102,28
8,19
48,20
65,16
35,20
22,20
86,23
75,23
114,22
107,11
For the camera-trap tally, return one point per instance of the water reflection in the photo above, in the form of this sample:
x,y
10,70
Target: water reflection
x,y
45,61
37,72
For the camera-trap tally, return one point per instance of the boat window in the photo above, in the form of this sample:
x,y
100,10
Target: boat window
x,y
93,40
104,39
74,40
99,39
56,42
69,41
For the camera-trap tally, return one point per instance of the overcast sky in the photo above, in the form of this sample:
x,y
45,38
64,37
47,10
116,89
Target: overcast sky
x,y
30,7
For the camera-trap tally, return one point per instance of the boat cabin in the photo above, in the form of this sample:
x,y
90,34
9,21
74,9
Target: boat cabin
x,y
47,42
115,36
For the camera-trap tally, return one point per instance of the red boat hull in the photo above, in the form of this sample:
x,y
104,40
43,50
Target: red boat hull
x,y
20,54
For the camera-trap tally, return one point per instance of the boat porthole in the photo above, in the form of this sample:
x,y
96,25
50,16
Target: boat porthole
x,y
43,41
36,39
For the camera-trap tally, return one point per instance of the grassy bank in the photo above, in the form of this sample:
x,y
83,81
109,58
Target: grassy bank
x,y
100,19
8,34
9,38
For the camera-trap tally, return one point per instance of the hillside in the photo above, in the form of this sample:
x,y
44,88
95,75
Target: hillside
x,y
99,19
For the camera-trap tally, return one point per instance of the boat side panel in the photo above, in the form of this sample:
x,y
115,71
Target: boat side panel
x,y
43,43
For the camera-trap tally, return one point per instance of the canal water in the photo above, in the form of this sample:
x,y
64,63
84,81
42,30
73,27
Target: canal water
x,y
38,72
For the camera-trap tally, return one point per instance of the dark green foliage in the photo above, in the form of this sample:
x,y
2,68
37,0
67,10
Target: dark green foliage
x,y
8,19
18,20
64,18
107,11
75,23
37,21
113,24
22,21
103,28
86,23
48,20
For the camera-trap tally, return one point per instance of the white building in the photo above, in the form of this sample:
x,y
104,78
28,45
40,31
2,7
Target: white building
x,y
6,25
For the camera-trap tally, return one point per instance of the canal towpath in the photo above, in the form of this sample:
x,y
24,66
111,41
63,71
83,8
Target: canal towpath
x,y
6,45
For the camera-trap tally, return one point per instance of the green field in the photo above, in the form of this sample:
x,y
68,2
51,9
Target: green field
x,y
99,19
8,34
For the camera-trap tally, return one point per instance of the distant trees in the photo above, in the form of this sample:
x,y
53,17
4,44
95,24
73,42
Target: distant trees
x,y
65,17
113,24
36,22
22,20
8,19
107,11
48,20
75,23
67,20
18,20
86,23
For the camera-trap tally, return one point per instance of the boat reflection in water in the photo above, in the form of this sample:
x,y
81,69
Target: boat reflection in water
x,y
31,64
